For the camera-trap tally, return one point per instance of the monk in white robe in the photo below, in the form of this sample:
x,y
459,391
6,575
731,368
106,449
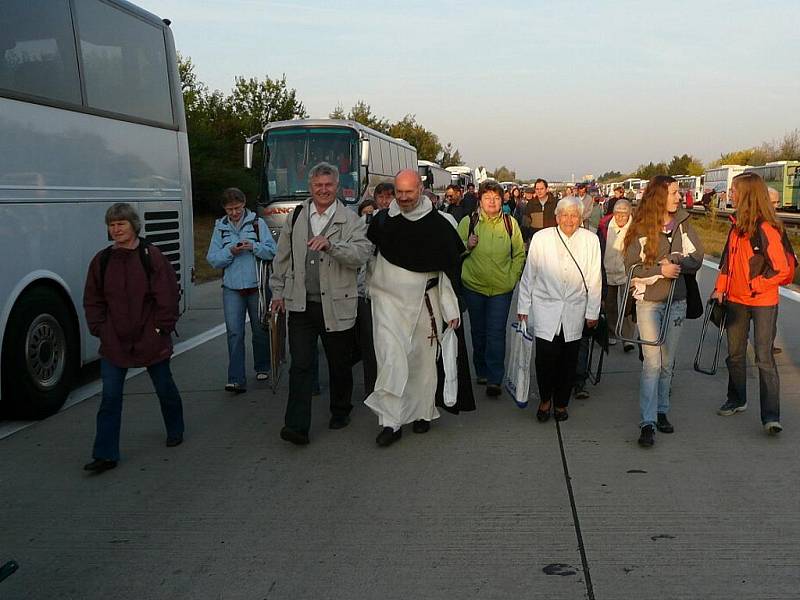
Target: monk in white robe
x,y
409,281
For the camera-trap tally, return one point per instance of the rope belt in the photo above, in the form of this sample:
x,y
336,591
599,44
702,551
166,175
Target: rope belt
x,y
434,336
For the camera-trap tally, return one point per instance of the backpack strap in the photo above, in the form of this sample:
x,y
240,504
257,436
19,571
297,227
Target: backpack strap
x,y
143,250
255,229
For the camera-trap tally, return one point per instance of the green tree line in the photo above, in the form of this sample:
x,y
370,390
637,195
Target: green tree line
x,y
786,148
218,124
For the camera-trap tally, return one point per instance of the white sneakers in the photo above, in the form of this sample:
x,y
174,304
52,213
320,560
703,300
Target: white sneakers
x,y
773,427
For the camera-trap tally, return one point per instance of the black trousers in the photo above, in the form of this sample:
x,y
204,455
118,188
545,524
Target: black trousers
x,y
304,328
367,345
555,368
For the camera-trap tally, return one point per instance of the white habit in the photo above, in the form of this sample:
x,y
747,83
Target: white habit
x,y
406,355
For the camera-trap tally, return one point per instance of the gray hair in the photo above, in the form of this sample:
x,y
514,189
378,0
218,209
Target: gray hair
x,y
622,205
122,211
569,202
323,169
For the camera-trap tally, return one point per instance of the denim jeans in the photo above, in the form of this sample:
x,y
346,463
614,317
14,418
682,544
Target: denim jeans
x,y
488,318
737,327
656,380
235,306
109,415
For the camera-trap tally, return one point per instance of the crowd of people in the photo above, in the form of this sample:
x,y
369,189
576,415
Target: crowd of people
x,y
391,284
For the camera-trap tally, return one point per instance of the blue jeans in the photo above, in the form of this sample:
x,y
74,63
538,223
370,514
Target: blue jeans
x,y
488,317
737,328
235,306
109,415
656,380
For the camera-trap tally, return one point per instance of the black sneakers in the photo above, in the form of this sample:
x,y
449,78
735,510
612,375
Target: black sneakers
x,y
295,437
100,465
421,426
731,408
647,437
663,425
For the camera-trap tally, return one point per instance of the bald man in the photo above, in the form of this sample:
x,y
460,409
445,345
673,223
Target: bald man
x,y
409,282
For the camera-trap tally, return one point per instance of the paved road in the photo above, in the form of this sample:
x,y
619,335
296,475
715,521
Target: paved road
x,y
477,508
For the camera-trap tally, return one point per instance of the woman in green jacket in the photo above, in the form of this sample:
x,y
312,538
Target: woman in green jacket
x,y
492,266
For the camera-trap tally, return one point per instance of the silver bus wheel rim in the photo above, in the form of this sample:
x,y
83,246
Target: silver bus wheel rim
x,y
45,346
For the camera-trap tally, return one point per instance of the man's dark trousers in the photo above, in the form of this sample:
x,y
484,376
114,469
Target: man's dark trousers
x,y
304,328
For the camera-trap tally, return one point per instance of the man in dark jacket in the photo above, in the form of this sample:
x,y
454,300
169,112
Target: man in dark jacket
x,y
540,212
455,203
131,304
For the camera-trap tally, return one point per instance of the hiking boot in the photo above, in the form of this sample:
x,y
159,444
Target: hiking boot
x,y
731,408
647,437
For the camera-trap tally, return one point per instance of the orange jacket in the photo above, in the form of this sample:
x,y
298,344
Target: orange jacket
x,y
751,278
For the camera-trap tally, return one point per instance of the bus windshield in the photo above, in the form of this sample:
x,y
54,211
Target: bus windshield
x,y
292,152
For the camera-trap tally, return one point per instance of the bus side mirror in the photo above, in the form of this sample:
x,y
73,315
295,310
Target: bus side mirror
x,y
249,145
248,154
364,153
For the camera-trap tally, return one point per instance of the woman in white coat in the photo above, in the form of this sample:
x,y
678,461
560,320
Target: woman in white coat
x,y
562,279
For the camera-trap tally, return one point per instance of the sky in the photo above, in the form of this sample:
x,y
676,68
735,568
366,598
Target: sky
x,y
551,89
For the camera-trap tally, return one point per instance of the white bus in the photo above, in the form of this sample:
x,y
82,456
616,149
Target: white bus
x,y
434,177
91,114
364,157
690,188
462,176
719,179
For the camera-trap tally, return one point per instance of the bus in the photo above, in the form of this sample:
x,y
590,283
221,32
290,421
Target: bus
x,y
784,176
719,179
462,176
364,157
91,113
690,188
434,177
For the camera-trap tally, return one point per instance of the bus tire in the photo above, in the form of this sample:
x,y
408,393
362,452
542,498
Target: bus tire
x,y
40,355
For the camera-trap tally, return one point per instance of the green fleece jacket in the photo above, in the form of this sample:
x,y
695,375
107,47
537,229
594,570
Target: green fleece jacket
x,y
494,266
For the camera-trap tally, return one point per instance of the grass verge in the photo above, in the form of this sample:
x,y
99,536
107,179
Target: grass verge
x,y
203,228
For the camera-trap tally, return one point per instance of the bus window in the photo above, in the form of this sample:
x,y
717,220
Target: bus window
x,y
375,156
292,152
37,50
124,62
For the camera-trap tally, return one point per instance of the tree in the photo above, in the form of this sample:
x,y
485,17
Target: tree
x,y
217,124
361,112
256,103
503,173
450,157
426,142
610,176
650,170
685,165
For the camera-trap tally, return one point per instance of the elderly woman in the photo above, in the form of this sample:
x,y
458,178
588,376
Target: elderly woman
x,y
662,245
494,260
611,240
560,290
131,304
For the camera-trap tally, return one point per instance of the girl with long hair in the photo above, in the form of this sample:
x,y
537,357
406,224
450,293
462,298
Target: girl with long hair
x,y
662,246
753,266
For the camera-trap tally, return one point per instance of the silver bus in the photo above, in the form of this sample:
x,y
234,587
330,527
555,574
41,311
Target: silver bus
x,y
462,176
91,113
434,177
364,157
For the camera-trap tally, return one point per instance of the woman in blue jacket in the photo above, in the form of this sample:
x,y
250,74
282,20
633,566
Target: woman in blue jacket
x,y
239,238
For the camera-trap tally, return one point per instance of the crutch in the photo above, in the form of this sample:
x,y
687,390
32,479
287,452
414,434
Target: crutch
x,y
711,306
662,335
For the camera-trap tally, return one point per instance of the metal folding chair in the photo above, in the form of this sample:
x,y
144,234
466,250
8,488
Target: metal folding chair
x,y
711,306
662,335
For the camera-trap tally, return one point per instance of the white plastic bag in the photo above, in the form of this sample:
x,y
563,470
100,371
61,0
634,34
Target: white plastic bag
x,y
518,375
449,356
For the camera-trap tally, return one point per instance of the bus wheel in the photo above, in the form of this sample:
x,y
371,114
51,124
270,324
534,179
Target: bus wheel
x,y
40,355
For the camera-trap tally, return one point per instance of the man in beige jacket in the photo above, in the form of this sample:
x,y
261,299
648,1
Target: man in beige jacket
x,y
321,248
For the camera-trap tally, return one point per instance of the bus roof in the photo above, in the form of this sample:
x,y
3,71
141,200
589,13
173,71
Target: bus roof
x,y
343,123
427,163
140,12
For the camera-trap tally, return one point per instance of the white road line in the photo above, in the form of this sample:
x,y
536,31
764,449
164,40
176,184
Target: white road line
x,y
85,392
784,291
